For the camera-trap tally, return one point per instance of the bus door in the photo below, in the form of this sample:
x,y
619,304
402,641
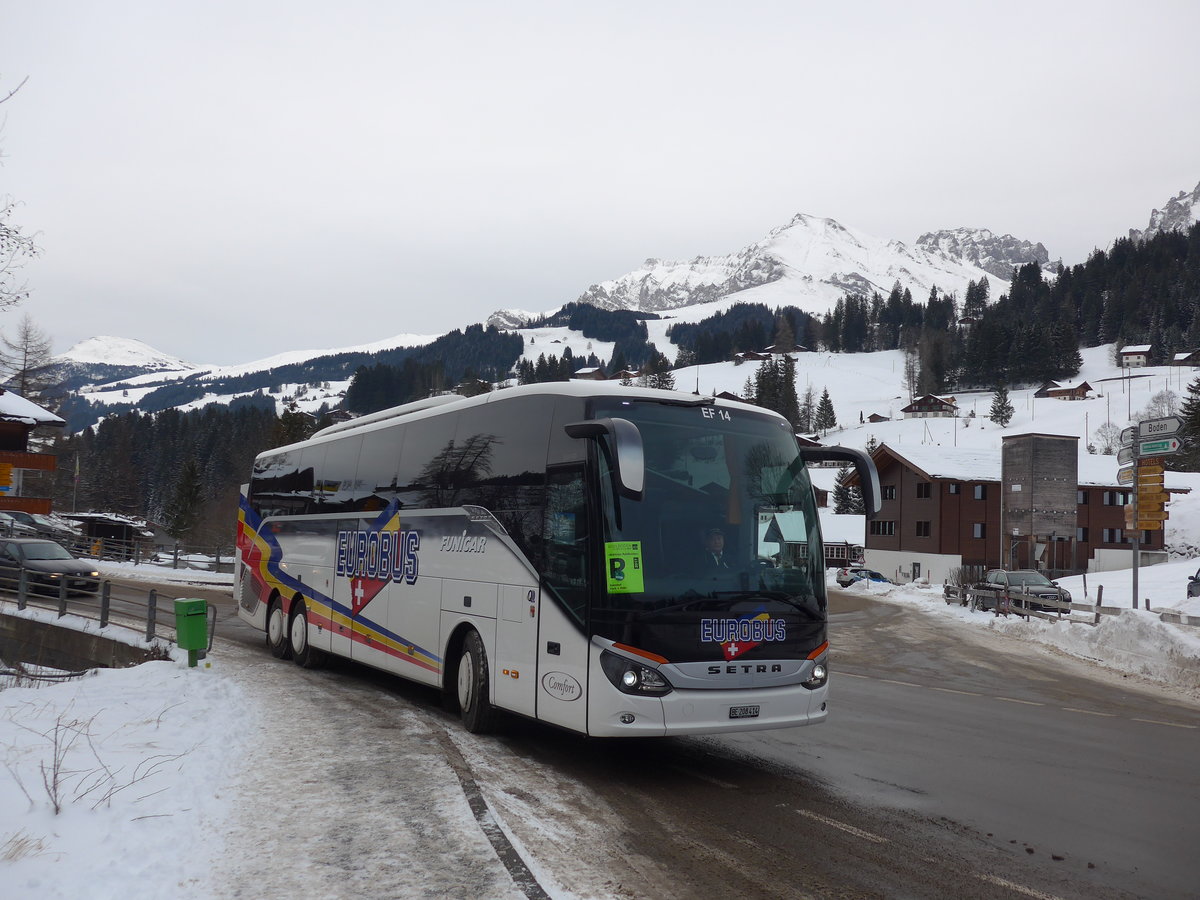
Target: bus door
x,y
515,673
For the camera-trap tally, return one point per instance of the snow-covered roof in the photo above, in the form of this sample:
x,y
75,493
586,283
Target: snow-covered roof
x,y
836,529
953,463
1136,348
15,408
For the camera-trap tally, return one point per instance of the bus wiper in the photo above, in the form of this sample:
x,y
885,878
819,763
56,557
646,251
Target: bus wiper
x,y
777,596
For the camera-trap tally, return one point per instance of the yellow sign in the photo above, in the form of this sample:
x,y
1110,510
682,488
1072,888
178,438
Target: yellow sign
x,y
1148,496
1152,515
1150,526
1149,470
6,471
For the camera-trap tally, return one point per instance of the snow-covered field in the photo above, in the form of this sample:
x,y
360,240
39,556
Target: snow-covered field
x,y
146,759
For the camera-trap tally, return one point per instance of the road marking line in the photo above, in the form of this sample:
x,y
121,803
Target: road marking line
x,y
1089,712
1171,724
842,826
1024,702
700,775
842,674
964,693
902,683
1019,888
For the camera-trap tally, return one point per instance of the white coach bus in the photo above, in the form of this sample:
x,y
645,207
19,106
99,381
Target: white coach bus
x,y
611,560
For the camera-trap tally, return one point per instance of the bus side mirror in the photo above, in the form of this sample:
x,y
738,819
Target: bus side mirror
x,y
629,459
864,467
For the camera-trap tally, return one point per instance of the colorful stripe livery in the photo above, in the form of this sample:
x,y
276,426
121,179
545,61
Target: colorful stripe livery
x,y
375,555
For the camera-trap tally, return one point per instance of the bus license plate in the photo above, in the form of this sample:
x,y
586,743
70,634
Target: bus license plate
x,y
743,712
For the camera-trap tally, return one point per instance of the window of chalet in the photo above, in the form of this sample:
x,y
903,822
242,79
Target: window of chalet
x,y
979,530
1081,535
922,529
954,488
888,491
883,527
1114,536
922,490
1081,498
980,492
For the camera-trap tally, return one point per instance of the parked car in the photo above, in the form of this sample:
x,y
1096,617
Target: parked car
x,y
846,577
12,525
1193,587
46,564
1001,582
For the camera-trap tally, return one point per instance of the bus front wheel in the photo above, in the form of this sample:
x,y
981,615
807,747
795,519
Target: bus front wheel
x,y
277,637
477,713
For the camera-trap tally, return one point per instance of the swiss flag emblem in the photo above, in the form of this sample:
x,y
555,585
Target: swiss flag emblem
x,y
362,592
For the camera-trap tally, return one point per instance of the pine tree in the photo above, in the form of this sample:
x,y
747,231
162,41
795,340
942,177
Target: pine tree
x,y
1188,458
183,511
1002,410
825,419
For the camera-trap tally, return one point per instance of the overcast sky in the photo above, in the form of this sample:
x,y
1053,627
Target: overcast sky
x,y
228,180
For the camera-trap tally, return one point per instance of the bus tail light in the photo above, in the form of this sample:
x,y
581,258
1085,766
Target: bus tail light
x,y
632,677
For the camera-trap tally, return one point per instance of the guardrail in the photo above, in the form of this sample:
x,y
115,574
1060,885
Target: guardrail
x,y
199,557
153,614
1022,603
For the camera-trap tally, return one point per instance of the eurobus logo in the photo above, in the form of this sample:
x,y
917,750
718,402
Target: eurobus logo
x,y
738,636
378,556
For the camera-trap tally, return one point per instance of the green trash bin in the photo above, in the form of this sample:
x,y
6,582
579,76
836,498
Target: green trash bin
x,y
191,627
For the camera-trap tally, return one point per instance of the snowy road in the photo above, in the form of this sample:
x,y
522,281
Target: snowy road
x,y
947,762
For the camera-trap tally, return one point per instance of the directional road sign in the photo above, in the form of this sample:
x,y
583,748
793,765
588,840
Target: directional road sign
x,y
1125,455
1151,465
1150,525
1159,447
1129,435
1149,495
1125,475
1158,428
1152,515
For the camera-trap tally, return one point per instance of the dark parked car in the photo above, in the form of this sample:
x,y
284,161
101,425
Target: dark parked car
x,y
46,564
1193,588
846,577
1019,584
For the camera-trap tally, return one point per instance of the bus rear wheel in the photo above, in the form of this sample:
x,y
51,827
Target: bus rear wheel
x,y
477,713
304,653
277,637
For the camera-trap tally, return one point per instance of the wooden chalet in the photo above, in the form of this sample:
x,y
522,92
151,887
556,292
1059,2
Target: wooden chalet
x,y
1135,356
941,509
1187,358
18,418
930,406
1078,391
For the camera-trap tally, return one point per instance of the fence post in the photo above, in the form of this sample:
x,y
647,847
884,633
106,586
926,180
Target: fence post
x,y
1099,597
22,589
217,554
151,613
62,597
175,564
105,599
137,554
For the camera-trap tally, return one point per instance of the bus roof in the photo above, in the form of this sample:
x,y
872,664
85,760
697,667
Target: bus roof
x,y
446,403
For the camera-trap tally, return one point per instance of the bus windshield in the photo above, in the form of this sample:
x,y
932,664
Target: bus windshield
x,y
724,546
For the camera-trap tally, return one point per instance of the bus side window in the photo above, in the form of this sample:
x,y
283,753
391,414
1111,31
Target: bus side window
x,y
566,538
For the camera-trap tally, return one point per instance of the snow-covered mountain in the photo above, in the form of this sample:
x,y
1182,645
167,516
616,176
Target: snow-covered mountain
x,y
1178,214
812,262
105,358
996,254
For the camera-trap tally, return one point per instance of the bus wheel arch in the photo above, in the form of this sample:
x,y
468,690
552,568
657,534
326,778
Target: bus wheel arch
x,y
302,651
277,627
471,683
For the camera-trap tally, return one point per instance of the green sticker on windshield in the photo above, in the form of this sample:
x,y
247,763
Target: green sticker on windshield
x,y
623,562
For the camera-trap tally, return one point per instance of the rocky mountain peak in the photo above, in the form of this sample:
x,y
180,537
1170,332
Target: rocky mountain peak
x,y
996,254
1178,214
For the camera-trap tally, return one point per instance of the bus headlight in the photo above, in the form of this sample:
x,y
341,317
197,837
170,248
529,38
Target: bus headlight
x,y
820,675
632,677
